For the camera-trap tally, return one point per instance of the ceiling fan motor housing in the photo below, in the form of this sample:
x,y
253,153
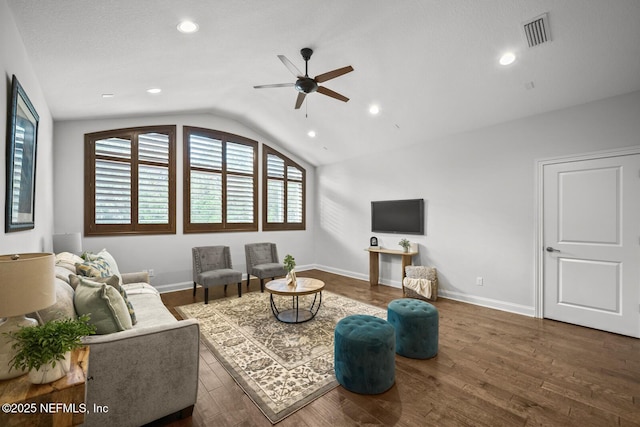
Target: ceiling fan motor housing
x,y
306,85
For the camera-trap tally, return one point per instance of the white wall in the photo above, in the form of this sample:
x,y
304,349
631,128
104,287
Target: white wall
x,y
168,255
480,198
14,60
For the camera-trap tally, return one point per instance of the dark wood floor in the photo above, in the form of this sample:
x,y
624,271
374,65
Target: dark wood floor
x,y
493,369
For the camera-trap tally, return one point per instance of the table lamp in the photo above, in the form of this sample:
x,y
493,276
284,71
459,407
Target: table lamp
x,y
68,242
27,284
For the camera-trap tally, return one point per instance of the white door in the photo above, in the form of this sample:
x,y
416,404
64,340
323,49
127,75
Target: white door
x,y
591,232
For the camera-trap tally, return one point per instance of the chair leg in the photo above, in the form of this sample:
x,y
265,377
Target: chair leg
x,y
206,295
261,285
248,279
194,289
239,289
225,289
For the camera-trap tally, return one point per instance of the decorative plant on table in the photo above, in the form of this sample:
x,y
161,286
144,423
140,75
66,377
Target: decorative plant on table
x,y
45,350
405,244
290,265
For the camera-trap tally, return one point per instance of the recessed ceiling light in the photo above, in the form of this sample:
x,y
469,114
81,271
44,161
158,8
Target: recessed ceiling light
x,y
108,95
507,58
154,90
312,133
374,109
187,27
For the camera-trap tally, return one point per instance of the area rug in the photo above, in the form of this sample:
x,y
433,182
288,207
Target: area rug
x,y
281,367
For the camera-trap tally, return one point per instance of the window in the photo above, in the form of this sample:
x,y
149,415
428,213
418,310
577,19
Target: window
x,y
131,185
220,182
283,192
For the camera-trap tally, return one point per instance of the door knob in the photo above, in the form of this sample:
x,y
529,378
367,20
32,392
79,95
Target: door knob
x,y
550,249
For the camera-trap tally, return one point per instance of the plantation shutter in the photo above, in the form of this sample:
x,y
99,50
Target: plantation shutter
x,y
153,178
275,189
132,181
113,181
221,185
284,192
205,155
294,195
240,183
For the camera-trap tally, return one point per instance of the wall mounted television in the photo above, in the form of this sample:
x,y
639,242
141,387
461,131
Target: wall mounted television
x,y
398,216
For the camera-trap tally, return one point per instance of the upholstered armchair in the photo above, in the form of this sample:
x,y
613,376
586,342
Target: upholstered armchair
x,y
262,262
212,267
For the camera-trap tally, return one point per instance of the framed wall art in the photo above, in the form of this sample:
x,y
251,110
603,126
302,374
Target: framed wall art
x,y
22,138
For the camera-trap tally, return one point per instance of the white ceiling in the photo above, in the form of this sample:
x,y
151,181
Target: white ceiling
x,y
431,65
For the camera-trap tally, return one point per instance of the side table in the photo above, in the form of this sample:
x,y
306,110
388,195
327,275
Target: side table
x,y
60,403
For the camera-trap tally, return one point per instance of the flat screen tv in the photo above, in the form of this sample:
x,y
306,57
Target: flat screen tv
x,y
398,216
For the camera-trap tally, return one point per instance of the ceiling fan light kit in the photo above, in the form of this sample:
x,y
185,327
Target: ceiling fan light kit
x,y
305,84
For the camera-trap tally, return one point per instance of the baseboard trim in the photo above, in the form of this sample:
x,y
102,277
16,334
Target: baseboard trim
x,y
488,302
443,293
457,296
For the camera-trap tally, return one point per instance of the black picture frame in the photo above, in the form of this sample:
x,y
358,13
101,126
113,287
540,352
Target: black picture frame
x,y
22,141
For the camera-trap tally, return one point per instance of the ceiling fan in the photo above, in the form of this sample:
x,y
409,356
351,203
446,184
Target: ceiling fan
x,y
305,84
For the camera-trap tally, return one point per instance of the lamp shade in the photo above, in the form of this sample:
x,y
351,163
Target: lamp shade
x,y
68,242
27,283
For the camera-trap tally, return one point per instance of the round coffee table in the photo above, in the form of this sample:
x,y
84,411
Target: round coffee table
x,y
304,286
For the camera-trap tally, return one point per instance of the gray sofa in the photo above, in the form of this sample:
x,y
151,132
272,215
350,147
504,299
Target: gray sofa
x,y
140,374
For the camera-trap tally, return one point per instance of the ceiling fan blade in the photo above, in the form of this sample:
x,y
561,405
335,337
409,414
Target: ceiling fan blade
x,y
323,90
300,99
294,70
274,85
333,74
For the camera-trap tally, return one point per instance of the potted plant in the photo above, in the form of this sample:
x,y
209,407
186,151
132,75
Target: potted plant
x,y
405,244
45,350
290,265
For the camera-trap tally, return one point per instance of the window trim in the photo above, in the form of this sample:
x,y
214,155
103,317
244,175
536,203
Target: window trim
x,y
270,226
134,228
223,227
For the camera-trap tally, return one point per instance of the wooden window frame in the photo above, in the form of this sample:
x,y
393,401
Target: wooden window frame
x,y
90,226
271,226
224,227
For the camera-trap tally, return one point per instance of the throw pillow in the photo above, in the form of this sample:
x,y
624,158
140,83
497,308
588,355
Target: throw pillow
x,y
97,267
105,306
108,258
111,281
68,260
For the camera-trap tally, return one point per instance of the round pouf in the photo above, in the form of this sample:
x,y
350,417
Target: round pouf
x,y
416,324
364,354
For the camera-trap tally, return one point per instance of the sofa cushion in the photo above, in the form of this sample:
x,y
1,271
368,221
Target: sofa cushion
x,y
111,281
103,303
63,307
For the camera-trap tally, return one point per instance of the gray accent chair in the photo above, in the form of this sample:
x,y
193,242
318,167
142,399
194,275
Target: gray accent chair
x,y
212,267
262,262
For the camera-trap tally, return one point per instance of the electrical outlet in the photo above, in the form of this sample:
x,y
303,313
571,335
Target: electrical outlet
x,y
479,281
151,272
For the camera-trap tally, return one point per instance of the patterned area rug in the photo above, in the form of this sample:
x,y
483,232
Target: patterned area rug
x,y
281,367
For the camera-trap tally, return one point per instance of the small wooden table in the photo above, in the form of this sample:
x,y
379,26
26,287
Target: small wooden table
x,y
60,403
374,263
304,286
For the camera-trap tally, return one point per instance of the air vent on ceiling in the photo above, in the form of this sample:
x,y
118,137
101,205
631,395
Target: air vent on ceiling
x,y
537,30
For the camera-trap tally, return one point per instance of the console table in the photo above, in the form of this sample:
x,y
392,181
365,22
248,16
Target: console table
x,y
60,403
374,261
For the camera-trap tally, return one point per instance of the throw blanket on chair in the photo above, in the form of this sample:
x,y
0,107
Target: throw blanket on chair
x,y
421,286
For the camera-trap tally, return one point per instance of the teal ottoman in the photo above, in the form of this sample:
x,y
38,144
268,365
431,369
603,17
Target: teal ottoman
x,y
416,324
364,354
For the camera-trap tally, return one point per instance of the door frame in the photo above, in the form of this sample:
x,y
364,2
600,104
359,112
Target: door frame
x,y
539,212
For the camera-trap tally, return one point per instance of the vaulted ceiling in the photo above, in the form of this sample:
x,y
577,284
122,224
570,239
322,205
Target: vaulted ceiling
x,y
431,65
